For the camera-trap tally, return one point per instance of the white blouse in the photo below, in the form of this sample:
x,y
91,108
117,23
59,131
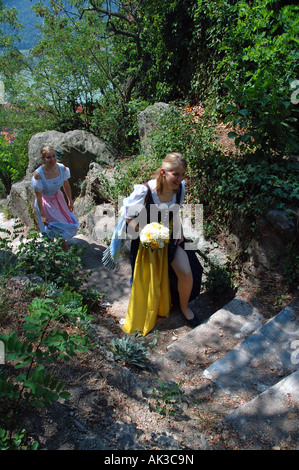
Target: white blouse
x,y
134,203
50,187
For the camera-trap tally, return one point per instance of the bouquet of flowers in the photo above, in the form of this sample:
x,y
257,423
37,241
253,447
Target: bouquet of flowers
x,y
154,235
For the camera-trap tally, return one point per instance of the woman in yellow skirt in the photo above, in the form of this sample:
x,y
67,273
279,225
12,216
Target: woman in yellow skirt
x,y
165,276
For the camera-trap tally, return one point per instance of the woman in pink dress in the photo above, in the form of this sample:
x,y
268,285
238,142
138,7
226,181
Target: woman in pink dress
x,y
55,216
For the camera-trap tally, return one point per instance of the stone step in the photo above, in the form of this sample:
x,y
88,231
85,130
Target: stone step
x,y
270,418
245,370
263,358
210,340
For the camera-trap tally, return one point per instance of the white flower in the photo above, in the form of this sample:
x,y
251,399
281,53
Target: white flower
x,y
154,235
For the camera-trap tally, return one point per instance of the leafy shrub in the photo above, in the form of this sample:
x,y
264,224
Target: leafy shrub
x,y
218,279
239,188
45,258
257,63
17,442
42,344
263,61
167,396
8,260
177,131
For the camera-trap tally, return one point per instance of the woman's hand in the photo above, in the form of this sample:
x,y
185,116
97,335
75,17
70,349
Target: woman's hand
x,y
179,241
132,224
44,220
71,206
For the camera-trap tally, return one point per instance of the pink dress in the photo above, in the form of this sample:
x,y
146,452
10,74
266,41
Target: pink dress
x,y
62,221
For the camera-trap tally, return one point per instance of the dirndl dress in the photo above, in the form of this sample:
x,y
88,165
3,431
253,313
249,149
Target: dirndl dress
x,y
154,282
62,222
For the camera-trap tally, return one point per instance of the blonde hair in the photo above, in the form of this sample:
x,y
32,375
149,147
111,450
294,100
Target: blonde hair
x,y
171,162
46,149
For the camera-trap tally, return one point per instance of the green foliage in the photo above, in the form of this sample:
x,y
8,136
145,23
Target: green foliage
x,y
8,260
128,351
118,125
153,51
167,397
243,187
166,34
267,120
252,48
11,168
17,442
218,279
42,344
23,121
177,131
9,27
46,258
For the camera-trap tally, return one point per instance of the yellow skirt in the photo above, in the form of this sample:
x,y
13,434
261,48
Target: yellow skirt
x,y
150,295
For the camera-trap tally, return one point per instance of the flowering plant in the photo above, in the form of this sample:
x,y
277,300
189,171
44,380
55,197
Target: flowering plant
x,y
154,235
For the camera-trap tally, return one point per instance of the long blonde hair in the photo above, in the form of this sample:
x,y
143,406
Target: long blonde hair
x,y
172,161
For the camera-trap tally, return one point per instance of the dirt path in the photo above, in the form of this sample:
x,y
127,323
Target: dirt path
x,y
117,289
115,285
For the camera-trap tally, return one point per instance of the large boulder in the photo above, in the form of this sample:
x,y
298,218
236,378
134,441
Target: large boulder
x,y
93,195
21,203
78,148
268,252
148,120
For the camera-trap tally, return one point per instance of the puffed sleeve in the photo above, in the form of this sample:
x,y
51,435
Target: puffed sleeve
x,y
67,173
134,203
36,185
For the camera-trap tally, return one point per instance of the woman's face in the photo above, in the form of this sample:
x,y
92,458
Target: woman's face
x,y
174,177
49,159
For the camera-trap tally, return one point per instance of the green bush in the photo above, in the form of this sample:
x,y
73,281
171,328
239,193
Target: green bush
x,y
167,396
17,442
42,344
46,258
218,279
248,58
241,187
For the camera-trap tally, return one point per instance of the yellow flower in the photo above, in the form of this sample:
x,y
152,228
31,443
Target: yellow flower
x,y
148,236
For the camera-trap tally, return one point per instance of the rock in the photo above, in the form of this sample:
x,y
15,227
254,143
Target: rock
x,y
79,148
147,121
268,251
21,202
94,188
283,222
